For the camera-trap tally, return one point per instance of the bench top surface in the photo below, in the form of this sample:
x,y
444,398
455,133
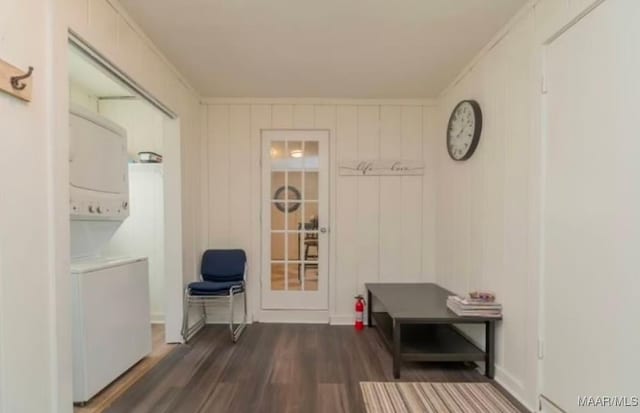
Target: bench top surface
x,y
421,302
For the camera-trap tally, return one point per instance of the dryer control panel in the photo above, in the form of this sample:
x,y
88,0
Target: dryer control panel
x,y
100,209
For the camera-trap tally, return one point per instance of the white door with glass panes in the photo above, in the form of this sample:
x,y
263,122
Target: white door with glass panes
x,y
295,217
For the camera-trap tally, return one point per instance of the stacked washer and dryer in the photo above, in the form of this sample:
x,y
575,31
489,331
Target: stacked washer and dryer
x,y
111,320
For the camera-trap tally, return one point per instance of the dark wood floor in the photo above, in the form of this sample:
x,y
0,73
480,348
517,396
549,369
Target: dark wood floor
x,y
275,368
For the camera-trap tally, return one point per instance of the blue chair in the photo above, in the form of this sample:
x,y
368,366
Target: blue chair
x,y
224,273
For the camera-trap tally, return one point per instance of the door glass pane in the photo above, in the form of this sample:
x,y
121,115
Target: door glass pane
x,y
310,250
311,215
296,154
310,186
277,276
294,218
278,190
310,254
277,217
294,192
310,276
277,246
293,276
278,151
294,246
311,160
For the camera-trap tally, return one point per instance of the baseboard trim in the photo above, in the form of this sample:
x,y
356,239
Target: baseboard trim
x,y
345,319
220,318
510,383
341,320
157,318
294,316
513,386
547,406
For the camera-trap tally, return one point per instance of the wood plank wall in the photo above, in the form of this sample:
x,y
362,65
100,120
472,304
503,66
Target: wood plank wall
x,y
382,228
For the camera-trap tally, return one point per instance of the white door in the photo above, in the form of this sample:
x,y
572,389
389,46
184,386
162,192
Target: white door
x,y
295,214
591,205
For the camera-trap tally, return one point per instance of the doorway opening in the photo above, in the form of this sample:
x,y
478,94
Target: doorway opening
x,y
127,294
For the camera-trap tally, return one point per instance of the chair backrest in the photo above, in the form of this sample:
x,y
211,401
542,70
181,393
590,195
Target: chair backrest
x,y
223,265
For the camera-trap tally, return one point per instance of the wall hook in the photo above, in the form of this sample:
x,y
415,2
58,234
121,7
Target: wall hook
x,y
16,80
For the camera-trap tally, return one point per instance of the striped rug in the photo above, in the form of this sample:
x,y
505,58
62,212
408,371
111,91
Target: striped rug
x,y
434,398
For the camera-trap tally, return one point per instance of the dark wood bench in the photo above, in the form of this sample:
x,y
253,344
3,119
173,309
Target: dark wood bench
x,y
416,325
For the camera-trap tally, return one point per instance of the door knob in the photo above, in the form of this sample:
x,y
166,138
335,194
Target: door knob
x,y
323,230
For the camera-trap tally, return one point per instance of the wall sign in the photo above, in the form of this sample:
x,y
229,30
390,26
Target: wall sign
x,y
381,168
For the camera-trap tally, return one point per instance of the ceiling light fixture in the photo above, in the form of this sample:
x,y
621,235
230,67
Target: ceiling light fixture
x,y
296,153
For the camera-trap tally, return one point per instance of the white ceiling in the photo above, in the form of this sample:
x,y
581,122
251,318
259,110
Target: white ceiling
x,y
321,48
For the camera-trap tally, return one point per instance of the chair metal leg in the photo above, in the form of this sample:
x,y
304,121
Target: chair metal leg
x,y
237,331
244,298
188,331
233,338
185,315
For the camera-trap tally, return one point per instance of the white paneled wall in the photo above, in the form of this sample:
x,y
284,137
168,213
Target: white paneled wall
x,y
142,233
488,208
382,228
484,204
143,122
29,350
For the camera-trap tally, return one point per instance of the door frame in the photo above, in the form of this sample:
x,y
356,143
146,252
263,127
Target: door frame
x,y
293,313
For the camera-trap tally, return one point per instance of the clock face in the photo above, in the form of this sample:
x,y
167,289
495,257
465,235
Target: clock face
x,y
463,131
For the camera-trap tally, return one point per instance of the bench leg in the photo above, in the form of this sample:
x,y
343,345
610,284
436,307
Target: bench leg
x,y
396,349
490,339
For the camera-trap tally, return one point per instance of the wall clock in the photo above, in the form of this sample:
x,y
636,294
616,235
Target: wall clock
x,y
292,193
463,130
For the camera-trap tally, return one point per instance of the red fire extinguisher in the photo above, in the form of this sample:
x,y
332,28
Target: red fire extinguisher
x,y
359,312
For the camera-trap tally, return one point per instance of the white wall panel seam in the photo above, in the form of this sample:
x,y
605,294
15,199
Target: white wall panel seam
x,y
379,143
